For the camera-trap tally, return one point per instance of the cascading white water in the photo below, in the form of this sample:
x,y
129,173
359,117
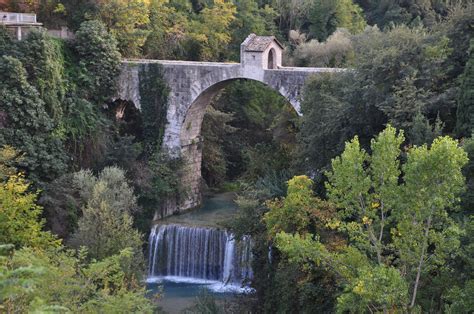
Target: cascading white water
x,y
199,254
228,260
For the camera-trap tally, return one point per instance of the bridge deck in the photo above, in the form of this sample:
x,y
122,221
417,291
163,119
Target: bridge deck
x,y
180,62
227,64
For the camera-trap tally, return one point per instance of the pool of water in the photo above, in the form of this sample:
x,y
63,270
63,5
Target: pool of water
x,y
176,297
216,209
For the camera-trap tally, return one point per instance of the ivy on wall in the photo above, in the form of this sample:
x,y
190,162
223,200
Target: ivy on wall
x,y
166,187
154,99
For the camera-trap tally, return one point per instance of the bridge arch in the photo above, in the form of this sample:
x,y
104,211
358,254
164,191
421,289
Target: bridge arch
x,y
191,126
191,141
191,87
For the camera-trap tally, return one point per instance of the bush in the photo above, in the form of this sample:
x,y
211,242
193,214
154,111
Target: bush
x,y
335,52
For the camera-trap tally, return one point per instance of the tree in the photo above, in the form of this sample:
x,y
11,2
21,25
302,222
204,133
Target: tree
x,y
9,160
61,280
26,126
214,166
292,213
467,200
335,52
127,21
6,42
326,16
332,113
211,32
41,275
402,74
386,13
43,59
20,217
384,206
62,205
249,18
433,182
168,28
398,79
106,225
292,14
367,196
99,61
459,31
465,108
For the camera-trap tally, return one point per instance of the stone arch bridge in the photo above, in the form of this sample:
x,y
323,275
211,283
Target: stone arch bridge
x,y
192,85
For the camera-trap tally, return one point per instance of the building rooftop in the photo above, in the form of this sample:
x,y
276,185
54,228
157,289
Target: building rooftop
x,y
10,18
259,43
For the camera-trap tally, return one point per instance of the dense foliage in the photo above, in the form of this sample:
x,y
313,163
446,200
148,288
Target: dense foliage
x,y
37,273
53,93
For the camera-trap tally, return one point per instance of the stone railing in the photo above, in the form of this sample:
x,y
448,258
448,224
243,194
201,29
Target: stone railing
x,y
63,33
17,18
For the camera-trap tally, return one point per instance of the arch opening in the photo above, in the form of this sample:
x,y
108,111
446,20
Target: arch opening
x,y
192,141
127,116
191,126
271,59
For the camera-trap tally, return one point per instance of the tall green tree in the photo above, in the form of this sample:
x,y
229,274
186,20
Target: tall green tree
x,y
433,182
106,225
99,61
326,16
43,59
465,106
367,196
127,20
26,124
399,231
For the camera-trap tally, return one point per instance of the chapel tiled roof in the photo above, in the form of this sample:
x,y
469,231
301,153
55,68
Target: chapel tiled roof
x,y
259,43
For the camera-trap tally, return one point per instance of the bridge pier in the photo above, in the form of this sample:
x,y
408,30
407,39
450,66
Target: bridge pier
x,y
192,180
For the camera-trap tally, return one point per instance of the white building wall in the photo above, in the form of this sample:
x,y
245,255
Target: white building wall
x,y
252,59
278,55
252,65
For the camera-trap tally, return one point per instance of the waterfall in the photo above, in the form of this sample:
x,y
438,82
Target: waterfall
x,y
199,254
